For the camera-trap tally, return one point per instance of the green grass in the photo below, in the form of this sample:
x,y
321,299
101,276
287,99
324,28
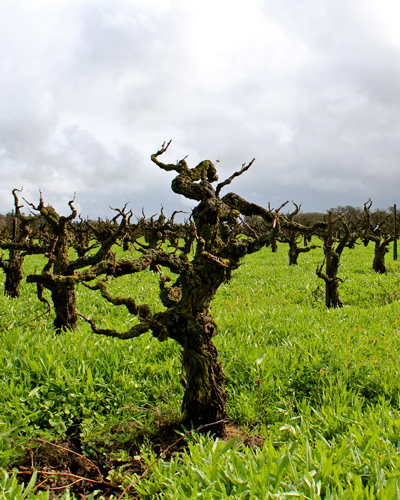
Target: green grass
x,y
320,386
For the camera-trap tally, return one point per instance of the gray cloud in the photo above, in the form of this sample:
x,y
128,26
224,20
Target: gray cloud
x,y
90,89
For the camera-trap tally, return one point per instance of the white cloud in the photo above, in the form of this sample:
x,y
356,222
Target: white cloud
x,y
90,89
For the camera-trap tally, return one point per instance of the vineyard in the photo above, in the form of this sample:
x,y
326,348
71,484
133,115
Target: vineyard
x,y
312,392
245,353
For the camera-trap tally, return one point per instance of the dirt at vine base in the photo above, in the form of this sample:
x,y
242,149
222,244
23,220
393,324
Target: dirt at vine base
x,y
62,465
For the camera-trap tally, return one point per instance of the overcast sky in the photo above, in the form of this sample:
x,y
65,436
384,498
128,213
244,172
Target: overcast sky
x,y
89,89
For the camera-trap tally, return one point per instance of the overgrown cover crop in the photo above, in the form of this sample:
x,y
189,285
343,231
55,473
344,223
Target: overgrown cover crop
x,y
320,387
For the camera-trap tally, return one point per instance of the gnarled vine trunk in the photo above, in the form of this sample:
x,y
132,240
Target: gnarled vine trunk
x,y
378,264
204,401
63,298
293,254
12,268
332,256
332,281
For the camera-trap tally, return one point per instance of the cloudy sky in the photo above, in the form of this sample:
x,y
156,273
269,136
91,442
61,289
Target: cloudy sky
x,y
89,89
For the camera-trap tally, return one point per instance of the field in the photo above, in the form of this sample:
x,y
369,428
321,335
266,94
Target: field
x,y
313,394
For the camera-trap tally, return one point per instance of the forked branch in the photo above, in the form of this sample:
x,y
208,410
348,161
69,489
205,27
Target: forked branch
x,y
244,168
164,147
